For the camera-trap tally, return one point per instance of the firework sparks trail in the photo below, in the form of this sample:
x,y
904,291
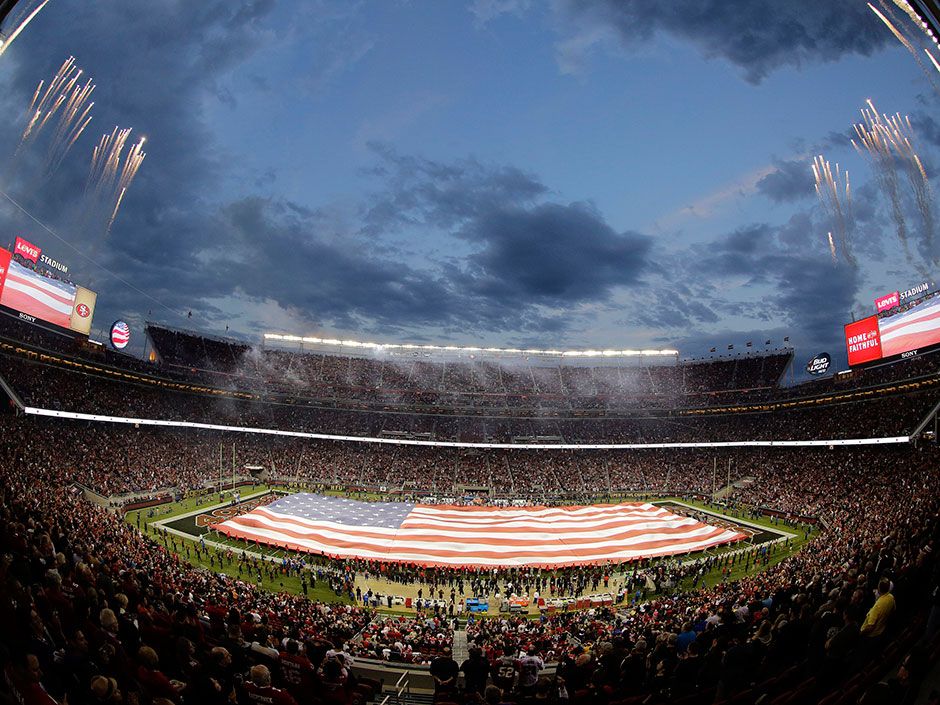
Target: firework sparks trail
x,y
873,143
114,212
832,248
836,199
932,60
112,171
907,40
20,26
66,100
901,135
889,140
915,18
894,30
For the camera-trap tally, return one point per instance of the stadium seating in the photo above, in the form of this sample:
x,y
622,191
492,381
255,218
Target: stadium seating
x,y
86,598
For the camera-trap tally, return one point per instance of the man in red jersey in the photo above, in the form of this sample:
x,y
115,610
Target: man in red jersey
x,y
297,671
260,690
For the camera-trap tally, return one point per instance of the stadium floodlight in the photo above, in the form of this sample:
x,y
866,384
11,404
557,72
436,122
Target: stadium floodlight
x,y
288,338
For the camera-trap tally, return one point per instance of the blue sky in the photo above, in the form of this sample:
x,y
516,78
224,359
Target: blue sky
x,y
557,172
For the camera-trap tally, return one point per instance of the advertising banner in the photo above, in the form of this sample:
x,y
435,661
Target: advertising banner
x,y
819,365
26,250
863,341
888,301
83,310
120,335
915,292
5,258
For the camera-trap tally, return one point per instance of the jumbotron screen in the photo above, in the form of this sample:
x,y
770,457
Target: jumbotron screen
x,y
904,330
34,295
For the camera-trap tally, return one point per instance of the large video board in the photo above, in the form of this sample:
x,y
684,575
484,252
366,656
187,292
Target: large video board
x,y
32,289
906,326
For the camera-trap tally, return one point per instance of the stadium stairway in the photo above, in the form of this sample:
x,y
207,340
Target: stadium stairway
x,y
736,485
409,699
460,651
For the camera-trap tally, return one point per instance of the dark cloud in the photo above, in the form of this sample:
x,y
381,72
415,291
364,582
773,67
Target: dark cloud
x,y
798,284
274,251
816,296
421,192
927,127
758,36
529,268
670,307
552,254
737,252
790,181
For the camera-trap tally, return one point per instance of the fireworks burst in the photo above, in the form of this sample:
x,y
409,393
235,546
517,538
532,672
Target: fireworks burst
x,y
19,26
887,141
832,188
65,97
112,171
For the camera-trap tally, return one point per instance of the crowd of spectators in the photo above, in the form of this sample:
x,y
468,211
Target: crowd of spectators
x,y
91,606
459,386
421,378
120,459
95,611
38,383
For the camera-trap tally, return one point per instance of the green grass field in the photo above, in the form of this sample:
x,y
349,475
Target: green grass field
x,y
322,592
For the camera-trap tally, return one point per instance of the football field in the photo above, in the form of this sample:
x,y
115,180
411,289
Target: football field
x,y
189,524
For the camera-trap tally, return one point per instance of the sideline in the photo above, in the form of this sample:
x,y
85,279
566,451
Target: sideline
x,y
735,520
203,510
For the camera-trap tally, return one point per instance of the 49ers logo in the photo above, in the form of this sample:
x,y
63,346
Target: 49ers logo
x,y
82,310
223,513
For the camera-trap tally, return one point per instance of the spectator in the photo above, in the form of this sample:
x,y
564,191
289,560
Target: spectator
x,y
444,670
876,621
259,689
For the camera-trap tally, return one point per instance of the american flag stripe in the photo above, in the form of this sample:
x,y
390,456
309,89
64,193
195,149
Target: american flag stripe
x,y
439,556
433,535
515,525
916,328
51,286
262,517
524,514
120,337
52,299
37,295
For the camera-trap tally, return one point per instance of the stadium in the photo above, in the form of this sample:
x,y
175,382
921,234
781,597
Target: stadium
x,y
196,516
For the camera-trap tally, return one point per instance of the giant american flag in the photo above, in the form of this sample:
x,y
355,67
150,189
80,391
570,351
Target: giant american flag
x,y
473,536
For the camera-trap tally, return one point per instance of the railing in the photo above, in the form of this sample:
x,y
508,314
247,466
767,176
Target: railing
x,y
932,416
401,688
